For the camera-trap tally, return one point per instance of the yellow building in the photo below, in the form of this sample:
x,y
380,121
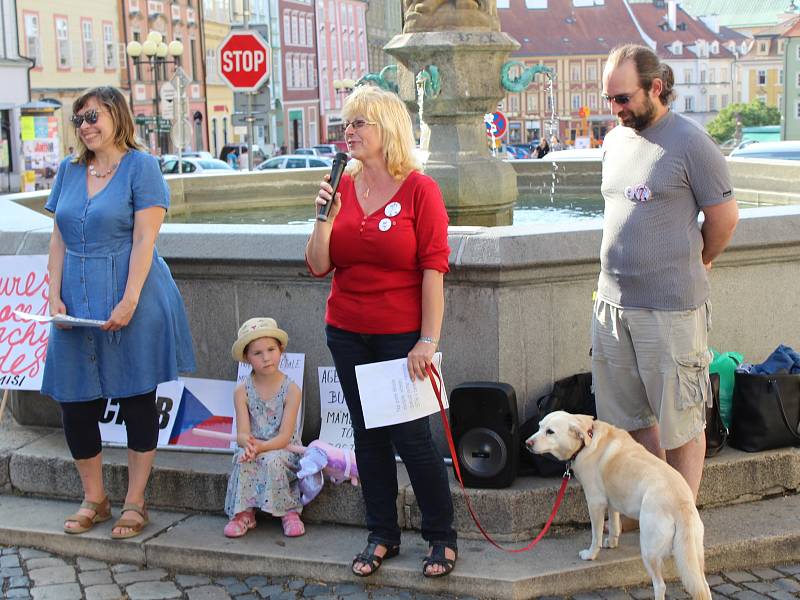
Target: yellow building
x,y
75,45
761,69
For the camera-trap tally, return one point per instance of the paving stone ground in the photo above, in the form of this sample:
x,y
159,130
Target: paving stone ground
x,y
27,573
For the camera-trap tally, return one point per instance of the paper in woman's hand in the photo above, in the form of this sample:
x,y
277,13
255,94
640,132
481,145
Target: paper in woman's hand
x,y
389,395
59,319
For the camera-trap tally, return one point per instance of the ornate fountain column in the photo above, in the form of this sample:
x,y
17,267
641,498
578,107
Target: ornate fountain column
x,y
462,38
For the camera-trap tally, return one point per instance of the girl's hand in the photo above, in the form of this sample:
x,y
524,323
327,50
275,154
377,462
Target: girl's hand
x,y
420,357
251,449
324,196
120,316
57,307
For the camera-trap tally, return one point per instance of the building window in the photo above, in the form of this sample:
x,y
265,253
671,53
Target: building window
x,y
763,47
287,27
138,67
193,56
688,104
724,101
762,99
301,31
513,104
781,46
593,101
88,44
723,75
32,46
294,34
780,101
702,75
712,103
687,76
797,83
532,102
797,109
309,32
62,42
109,59
761,77
780,76
575,72
576,102
712,76
591,72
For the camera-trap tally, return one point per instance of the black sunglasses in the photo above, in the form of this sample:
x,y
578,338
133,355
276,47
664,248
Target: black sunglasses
x,y
90,116
621,99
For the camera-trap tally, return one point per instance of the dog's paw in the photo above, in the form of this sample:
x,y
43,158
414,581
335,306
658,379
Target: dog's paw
x,y
610,542
588,554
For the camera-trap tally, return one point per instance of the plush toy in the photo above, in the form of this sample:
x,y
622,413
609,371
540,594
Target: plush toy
x,y
320,459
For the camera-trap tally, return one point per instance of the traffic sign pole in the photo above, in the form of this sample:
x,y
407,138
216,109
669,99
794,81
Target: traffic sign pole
x,y
249,101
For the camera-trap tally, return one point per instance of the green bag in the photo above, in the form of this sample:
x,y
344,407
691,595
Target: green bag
x,y
725,364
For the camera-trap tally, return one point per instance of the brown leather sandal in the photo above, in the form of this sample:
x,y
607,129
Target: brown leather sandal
x,y
102,512
134,526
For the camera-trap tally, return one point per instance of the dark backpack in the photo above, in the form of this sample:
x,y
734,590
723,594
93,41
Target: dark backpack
x,y
572,394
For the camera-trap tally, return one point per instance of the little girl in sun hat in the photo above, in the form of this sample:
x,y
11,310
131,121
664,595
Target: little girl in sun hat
x,y
264,474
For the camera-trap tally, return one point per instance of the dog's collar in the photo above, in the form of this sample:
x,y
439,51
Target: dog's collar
x,y
583,445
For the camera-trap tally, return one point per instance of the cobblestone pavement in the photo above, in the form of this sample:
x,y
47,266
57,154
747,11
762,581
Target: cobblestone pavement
x,y
29,573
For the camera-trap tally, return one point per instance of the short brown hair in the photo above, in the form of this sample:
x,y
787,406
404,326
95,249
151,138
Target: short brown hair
x,y
648,66
124,131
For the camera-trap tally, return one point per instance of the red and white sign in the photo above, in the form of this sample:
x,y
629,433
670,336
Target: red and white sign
x,y
244,60
24,286
500,124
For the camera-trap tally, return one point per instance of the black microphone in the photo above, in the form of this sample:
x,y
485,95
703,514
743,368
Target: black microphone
x,y
339,163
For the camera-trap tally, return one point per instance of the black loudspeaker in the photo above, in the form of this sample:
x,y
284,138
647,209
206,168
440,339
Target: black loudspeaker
x,y
483,417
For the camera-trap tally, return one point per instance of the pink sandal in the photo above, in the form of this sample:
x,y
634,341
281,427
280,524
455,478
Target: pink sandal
x,y
292,525
240,524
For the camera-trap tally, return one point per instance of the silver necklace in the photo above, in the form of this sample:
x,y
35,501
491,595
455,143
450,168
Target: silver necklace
x,y
93,171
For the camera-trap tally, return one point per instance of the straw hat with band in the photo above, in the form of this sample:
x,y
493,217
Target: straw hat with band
x,y
255,328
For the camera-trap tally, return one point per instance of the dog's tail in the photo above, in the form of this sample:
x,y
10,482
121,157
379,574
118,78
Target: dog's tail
x,y
689,554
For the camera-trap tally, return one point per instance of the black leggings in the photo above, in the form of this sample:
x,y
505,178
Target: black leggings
x,y
82,424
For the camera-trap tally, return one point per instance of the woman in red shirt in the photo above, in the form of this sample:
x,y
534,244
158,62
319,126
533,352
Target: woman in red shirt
x,y
386,242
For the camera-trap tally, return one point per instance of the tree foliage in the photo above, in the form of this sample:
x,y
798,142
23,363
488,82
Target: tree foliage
x,y
754,114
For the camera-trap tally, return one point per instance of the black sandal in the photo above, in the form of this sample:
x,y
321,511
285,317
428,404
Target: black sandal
x,y
438,558
369,558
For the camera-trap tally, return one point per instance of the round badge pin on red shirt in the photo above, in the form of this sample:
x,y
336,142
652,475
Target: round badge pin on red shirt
x,y
392,209
385,224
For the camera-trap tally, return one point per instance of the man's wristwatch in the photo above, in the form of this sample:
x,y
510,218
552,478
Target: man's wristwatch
x,y
426,339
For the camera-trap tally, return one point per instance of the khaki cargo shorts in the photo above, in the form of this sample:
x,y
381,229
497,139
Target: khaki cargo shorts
x,y
651,366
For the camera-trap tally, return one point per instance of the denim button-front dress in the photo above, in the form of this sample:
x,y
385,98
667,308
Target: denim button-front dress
x,y
83,363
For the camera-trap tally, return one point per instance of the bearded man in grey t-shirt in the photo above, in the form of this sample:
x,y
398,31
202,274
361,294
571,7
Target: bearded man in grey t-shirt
x,y
650,352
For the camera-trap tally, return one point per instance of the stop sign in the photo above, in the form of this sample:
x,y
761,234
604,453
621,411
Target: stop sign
x,y
244,60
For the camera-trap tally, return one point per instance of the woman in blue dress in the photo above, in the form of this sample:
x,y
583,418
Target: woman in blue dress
x,y
109,202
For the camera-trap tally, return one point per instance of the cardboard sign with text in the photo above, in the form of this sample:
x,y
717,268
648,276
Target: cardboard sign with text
x,y
335,426
24,285
168,402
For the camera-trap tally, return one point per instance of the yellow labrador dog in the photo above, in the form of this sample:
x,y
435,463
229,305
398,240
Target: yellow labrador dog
x,y
620,475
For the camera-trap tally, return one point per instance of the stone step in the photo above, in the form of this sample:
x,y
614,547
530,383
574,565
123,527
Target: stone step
x,y
740,536
39,464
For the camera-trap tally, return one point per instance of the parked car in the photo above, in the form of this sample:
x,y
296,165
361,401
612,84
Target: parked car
x,y
786,150
523,150
295,161
258,153
199,154
309,151
329,150
194,165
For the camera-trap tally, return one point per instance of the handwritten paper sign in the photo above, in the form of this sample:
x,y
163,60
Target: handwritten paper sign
x,y
335,426
168,402
24,286
389,395
293,366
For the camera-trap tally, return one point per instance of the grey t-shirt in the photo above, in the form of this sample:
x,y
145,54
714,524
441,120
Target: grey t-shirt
x,y
654,184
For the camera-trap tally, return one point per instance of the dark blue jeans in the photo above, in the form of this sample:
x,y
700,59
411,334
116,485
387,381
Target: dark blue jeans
x,y
375,447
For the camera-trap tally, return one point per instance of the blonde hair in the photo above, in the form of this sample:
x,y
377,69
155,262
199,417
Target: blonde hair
x,y
648,67
395,130
112,100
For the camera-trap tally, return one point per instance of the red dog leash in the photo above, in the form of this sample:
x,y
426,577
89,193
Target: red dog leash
x,y
436,383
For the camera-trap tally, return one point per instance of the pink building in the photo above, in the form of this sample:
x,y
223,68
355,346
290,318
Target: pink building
x,y
175,20
300,83
343,57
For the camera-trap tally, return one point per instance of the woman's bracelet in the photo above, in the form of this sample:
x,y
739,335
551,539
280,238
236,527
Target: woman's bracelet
x,y
426,339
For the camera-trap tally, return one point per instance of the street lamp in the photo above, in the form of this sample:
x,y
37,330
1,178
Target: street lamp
x,y
155,52
343,87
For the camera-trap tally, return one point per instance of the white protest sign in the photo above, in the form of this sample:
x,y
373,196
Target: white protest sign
x,y
389,395
168,402
335,426
293,366
206,404
24,286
